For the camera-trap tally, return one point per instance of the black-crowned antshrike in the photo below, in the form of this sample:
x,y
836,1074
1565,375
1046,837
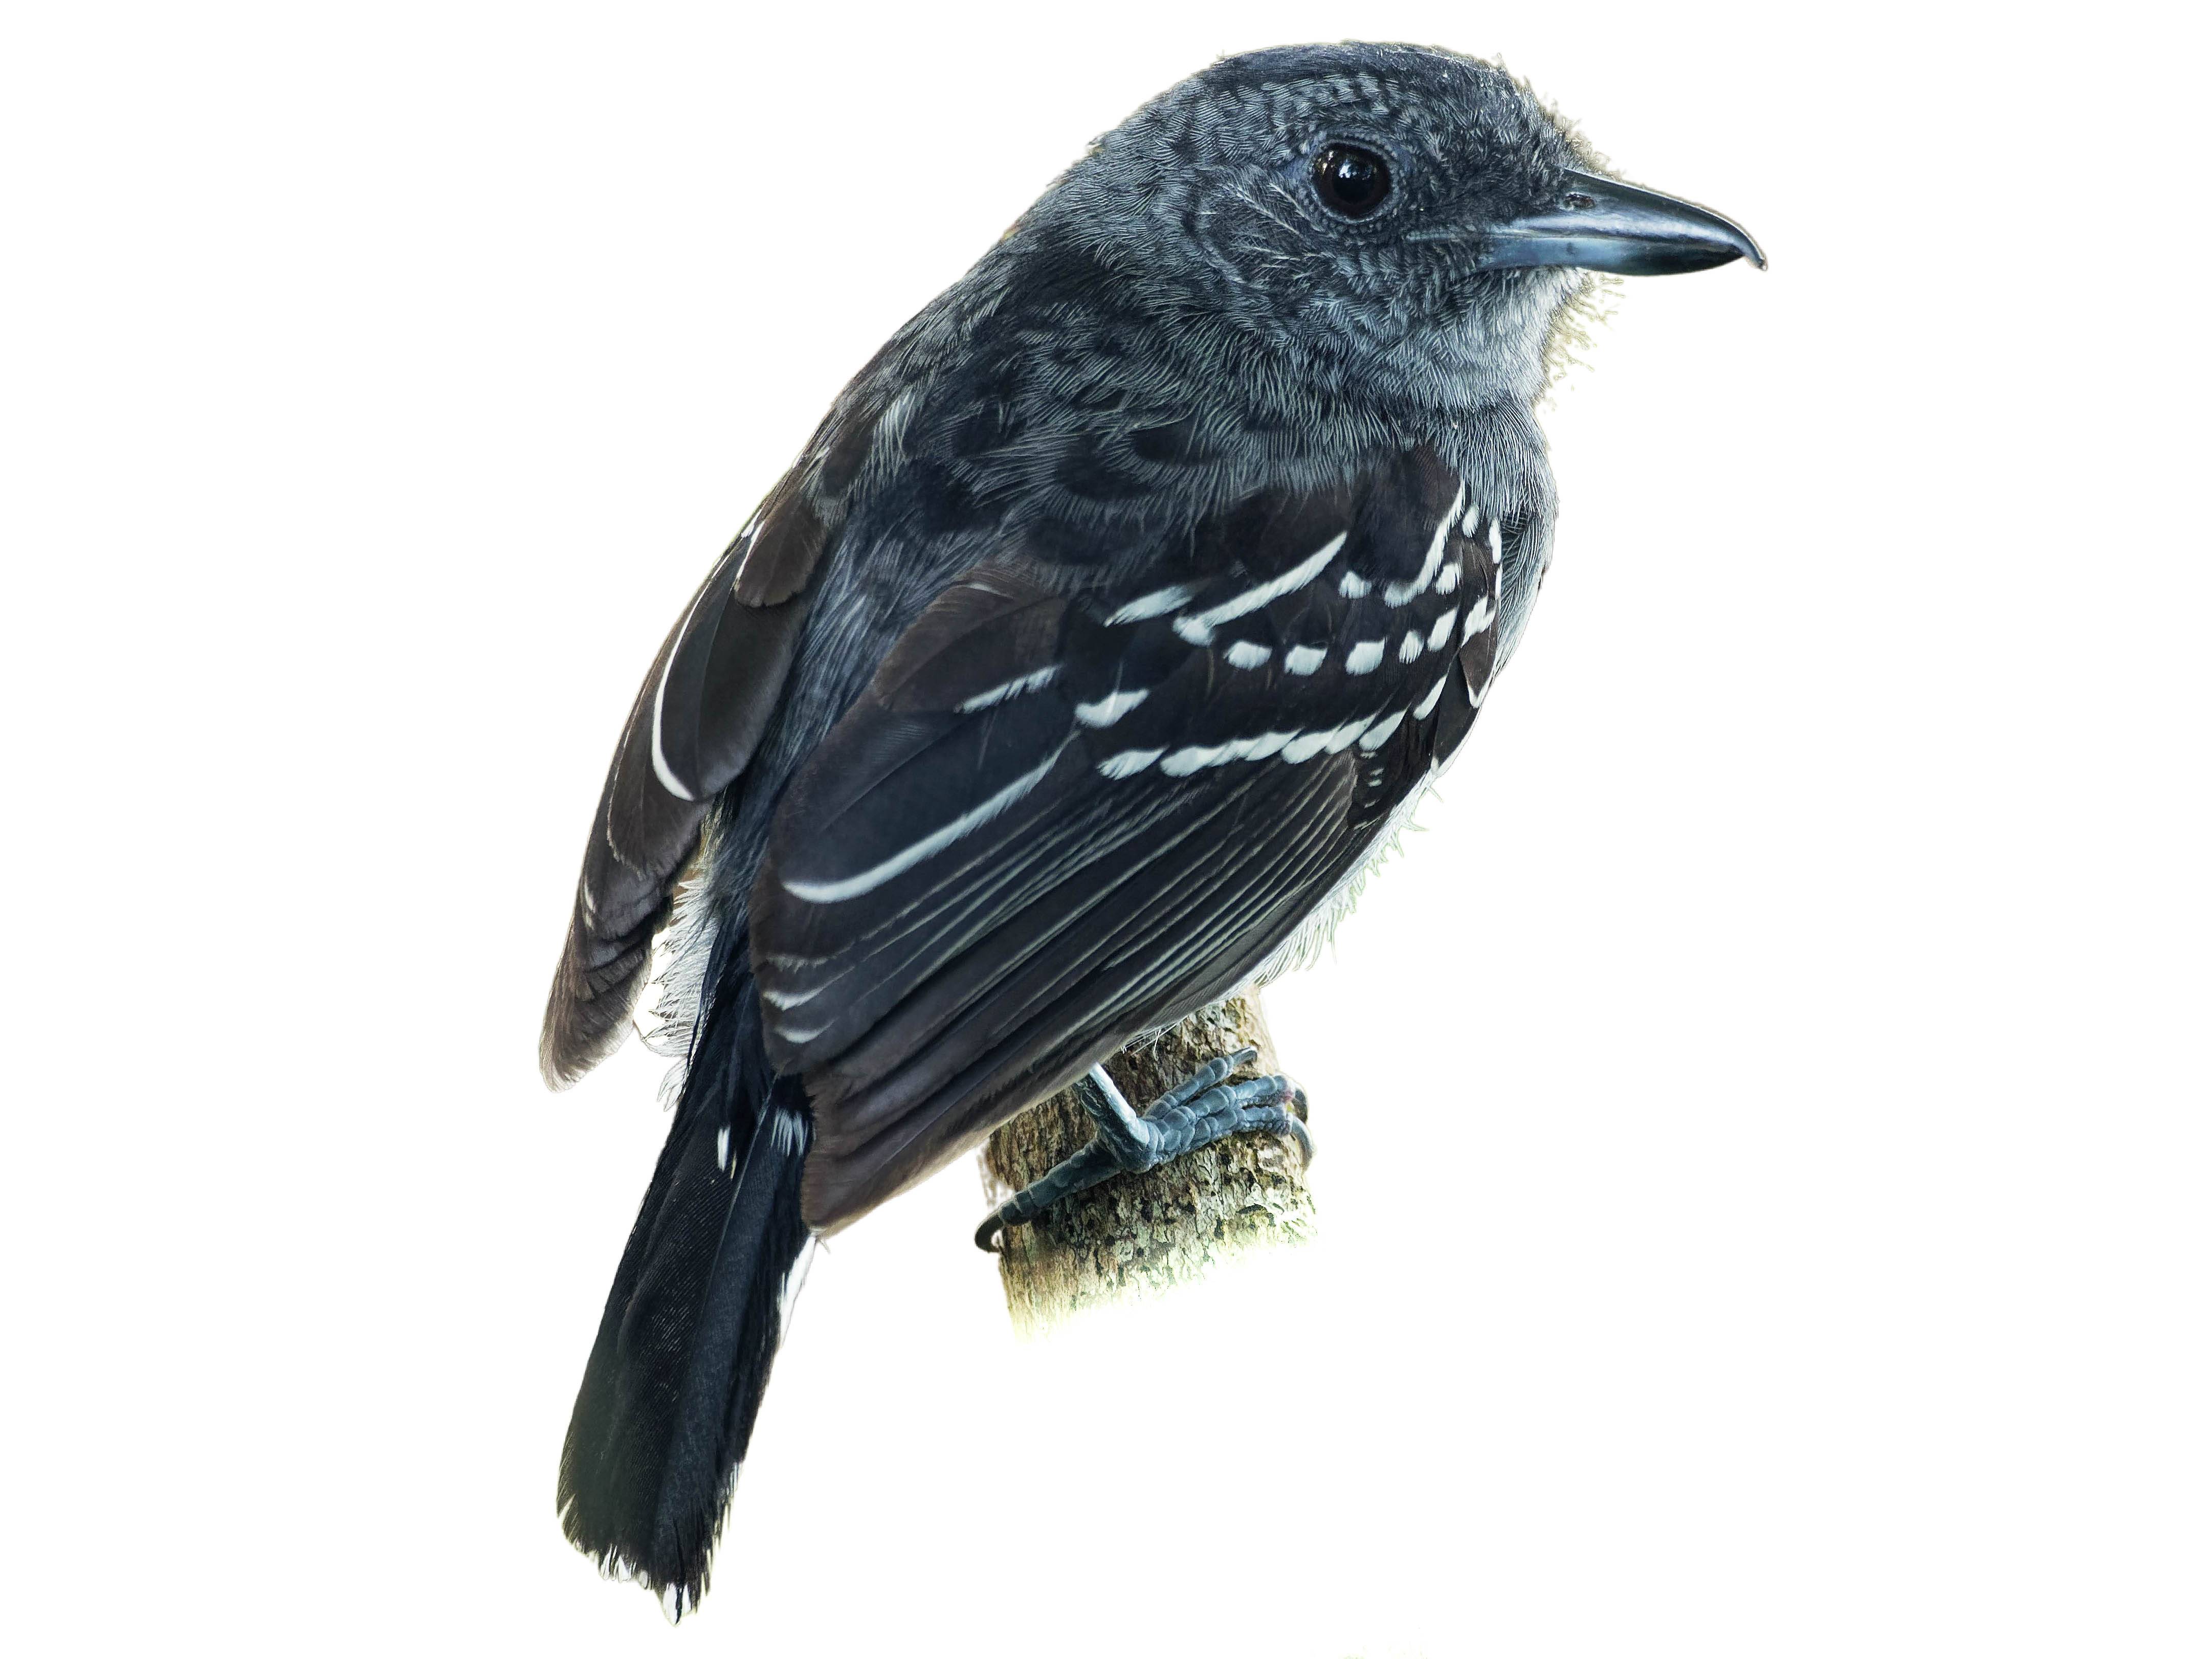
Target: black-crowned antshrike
x,y
1115,617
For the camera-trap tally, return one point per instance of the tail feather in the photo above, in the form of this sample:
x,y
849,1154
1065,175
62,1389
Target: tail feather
x,y
692,1321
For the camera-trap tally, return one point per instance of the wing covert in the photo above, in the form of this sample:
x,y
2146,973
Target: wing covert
x,y
1057,818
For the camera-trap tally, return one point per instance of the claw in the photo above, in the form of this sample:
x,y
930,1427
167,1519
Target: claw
x,y
1197,1112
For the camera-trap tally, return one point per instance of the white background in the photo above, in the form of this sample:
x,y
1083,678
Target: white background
x,y
1763,1121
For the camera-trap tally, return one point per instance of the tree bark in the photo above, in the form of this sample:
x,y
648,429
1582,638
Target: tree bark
x,y
1138,1235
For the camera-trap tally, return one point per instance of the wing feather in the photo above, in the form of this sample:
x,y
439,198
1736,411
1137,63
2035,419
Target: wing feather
x,y
696,722
1057,818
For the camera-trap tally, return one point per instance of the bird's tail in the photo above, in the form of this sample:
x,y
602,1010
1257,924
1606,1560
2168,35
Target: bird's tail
x,y
697,1308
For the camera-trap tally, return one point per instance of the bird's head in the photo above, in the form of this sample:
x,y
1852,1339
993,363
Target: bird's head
x,y
1395,214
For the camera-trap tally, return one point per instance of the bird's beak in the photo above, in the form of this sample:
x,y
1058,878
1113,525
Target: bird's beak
x,y
1600,224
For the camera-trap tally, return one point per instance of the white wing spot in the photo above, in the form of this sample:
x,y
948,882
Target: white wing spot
x,y
1192,630
1427,706
1304,658
1152,604
1379,733
1409,648
1364,658
722,1147
1448,580
832,892
668,780
1129,762
1108,708
1245,654
1266,593
1473,521
1307,745
1354,587
1441,634
1479,617
998,694
1398,593
1184,762
661,770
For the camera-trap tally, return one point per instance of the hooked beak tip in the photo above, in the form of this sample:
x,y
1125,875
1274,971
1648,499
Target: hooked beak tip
x,y
1602,224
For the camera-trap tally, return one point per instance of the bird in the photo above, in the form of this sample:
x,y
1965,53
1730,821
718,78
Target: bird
x,y
1110,626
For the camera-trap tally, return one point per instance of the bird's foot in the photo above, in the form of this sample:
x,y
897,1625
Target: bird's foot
x,y
1197,1112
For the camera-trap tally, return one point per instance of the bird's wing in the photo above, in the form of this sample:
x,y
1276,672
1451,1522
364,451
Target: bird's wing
x,y
1054,821
694,724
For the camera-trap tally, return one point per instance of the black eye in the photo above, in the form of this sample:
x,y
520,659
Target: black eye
x,y
1352,180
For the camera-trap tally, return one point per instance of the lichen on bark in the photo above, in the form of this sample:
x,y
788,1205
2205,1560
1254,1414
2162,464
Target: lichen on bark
x,y
1138,1235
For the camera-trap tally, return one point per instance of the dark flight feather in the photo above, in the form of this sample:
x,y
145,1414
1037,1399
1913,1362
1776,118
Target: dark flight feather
x,y
1055,819
695,724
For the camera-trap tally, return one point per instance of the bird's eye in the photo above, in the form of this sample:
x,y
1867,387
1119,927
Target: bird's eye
x,y
1351,180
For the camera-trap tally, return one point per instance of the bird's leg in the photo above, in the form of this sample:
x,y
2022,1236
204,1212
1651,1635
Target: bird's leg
x,y
1197,1112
